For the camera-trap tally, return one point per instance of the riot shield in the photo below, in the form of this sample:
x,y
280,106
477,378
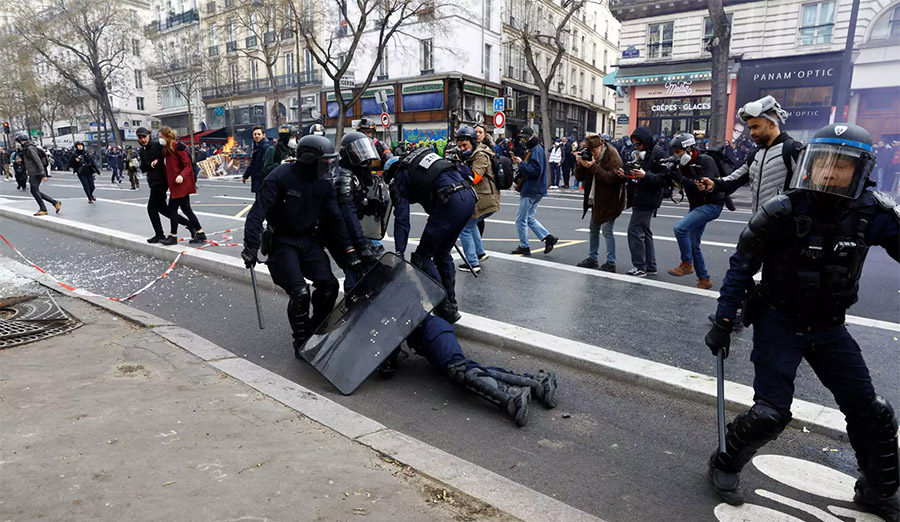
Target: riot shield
x,y
372,319
379,199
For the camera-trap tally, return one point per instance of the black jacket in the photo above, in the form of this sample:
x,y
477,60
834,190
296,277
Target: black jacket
x,y
648,191
156,176
702,166
82,163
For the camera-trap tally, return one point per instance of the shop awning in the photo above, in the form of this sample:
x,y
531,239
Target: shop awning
x,y
207,136
643,74
610,80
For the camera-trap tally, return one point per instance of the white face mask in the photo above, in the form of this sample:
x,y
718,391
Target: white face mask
x,y
162,141
292,143
684,159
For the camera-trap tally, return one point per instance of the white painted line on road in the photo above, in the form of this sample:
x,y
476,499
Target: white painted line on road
x,y
667,238
208,214
489,220
250,198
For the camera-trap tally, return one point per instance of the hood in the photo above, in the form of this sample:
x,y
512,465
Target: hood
x,y
643,134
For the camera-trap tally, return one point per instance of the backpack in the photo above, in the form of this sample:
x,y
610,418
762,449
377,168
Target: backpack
x,y
503,171
723,163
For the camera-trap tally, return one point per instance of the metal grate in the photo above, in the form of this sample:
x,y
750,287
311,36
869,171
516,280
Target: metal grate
x,y
28,319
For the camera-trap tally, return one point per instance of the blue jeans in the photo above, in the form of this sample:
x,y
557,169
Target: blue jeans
x,y
471,240
555,174
688,232
525,219
594,241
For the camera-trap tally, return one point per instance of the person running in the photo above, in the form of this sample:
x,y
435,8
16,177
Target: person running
x,y
35,163
82,164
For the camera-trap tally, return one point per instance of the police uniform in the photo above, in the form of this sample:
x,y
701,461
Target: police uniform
x,y
811,245
294,199
436,341
444,189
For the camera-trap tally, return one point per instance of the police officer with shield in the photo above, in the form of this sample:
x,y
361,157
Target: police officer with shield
x,y
295,198
811,244
368,127
444,189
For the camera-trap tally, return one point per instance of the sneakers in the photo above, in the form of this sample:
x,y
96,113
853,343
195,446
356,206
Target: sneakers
x,y
704,283
525,251
588,263
549,242
465,268
40,213
636,272
554,187
168,241
608,267
56,205
90,202
683,269
482,257
651,271
155,239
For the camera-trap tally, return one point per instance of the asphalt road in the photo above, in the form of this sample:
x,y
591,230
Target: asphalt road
x,y
616,451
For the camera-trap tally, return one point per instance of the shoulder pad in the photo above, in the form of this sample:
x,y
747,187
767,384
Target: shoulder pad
x,y
778,207
771,215
887,202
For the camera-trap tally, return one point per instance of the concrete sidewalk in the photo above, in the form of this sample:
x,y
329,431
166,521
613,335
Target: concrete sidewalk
x,y
112,422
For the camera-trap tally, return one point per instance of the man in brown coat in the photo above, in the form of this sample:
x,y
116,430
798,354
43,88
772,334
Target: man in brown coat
x,y
477,156
604,194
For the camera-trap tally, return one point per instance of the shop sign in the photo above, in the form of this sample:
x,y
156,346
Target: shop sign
x,y
417,88
481,90
631,52
689,106
675,89
622,119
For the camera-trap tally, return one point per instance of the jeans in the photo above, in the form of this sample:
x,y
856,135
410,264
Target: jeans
x,y
555,174
594,241
640,240
688,232
471,240
525,219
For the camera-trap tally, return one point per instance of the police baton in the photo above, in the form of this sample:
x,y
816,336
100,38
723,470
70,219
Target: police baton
x,y
466,261
720,397
256,297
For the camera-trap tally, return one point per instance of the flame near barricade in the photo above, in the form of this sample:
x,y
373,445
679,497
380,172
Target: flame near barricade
x,y
228,162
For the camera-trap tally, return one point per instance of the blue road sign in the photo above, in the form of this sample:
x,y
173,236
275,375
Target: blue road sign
x,y
498,105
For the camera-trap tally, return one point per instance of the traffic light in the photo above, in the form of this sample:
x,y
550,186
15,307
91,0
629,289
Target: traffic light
x,y
6,127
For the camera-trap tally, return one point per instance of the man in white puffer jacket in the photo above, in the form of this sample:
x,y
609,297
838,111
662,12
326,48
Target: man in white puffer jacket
x,y
769,168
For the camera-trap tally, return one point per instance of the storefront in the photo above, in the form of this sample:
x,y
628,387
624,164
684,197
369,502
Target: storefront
x,y
805,86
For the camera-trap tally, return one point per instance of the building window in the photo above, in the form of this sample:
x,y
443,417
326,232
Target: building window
x,y
659,42
593,86
140,103
426,52
488,13
581,85
487,60
289,63
135,47
254,69
605,59
383,67
138,79
310,61
708,31
816,23
594,54
888,26
212,35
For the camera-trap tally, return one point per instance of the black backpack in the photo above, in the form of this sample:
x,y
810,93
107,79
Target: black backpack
x,y
503,171
723,163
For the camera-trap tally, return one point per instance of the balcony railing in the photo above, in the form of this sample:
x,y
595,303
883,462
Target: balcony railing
x,y
175,20
251,42
269,38
210,7
214,50
283,82
231,46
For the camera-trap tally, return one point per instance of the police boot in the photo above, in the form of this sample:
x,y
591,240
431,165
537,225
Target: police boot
x,y
872,431
447,311
543,385
324,296
749,432
298,317
513,400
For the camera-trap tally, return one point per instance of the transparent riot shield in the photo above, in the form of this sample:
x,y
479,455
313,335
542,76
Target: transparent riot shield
x,y
372,319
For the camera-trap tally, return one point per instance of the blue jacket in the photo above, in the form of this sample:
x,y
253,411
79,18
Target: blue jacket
x,y
255,169
535,172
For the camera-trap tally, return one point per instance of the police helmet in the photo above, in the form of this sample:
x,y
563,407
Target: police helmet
x,y
837,161
311,149
466,133
606,137
358,148
21,136
527,133
286,131
317,129
366,124
682,142
766,107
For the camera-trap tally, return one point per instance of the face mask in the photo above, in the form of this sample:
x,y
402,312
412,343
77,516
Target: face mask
x,y
464,154
292,143
640,154
684,159
162,141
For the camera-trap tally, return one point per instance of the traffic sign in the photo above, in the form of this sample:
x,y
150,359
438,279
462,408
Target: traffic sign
x,y
220,111
499,119
385,119
498,105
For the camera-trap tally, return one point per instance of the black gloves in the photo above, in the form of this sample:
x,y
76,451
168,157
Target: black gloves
x,y
719,336
249,257
366,254
354,264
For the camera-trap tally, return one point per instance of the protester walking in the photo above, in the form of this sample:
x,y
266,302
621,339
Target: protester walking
x,y
35,164
532,186
151,156
180,177
132,164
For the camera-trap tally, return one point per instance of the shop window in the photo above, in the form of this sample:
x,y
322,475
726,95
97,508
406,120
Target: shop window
x,y
708,31
888,26
659,40
820,96
816,23
878,101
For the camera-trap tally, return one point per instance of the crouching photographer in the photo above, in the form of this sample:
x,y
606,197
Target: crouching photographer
x,y
597,165
687,167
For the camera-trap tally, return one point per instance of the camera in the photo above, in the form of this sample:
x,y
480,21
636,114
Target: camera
x,y
586,155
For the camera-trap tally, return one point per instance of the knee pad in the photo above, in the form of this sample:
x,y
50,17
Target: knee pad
x,y
760,424
873,433
299,301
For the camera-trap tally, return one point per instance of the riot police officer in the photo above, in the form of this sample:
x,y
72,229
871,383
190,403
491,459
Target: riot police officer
x,y
811,244
444,189
294,199
367,126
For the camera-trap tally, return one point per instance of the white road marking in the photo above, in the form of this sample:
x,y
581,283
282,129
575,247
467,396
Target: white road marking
x,y
249,198
800,506
807,476
667,238
751,513
857,516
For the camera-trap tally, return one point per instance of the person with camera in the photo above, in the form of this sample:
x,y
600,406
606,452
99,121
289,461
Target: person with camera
x,y
477,156
688,166
647,173
532,186
597,165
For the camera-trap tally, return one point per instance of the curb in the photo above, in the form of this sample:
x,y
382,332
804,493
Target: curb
x,y
666,379
474,481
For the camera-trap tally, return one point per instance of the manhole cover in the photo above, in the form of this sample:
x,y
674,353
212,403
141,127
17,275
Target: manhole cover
x,y
26,319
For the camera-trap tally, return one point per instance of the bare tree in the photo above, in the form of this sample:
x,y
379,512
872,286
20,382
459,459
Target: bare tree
x,y
182,72
88,46
359,26
537,33
55,96
221,75
719,46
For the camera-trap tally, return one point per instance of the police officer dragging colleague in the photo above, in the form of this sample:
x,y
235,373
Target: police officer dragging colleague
x,y
295,199
444,189
811,244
